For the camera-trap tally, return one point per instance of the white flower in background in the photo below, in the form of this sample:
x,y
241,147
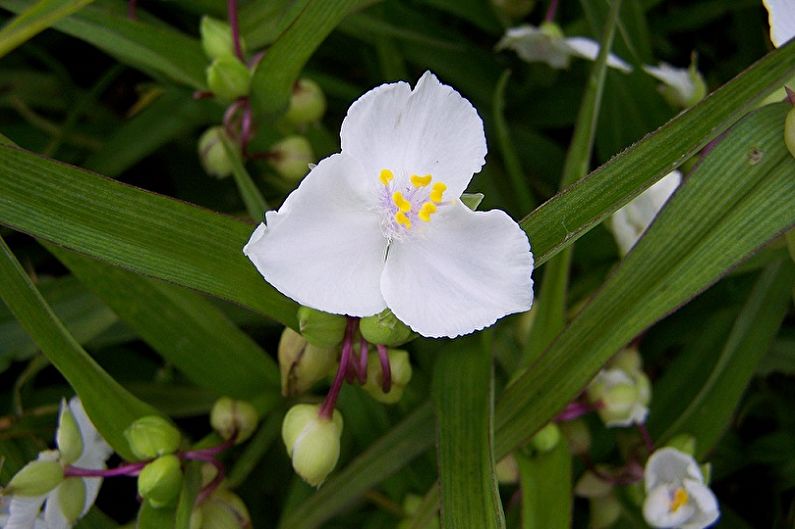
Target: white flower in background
x,y
629,222
781,15
547,44
676,495
681,87
381,223
79,445
623,396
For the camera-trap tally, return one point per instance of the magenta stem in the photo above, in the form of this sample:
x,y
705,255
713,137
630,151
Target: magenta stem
x,y
327,408
363,351
246,125
231,8
647,440
790,95
208,490
130,469
552,10
386,369
208,454
575,410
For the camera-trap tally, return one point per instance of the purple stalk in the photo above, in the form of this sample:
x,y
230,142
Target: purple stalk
x,y
386,369
207,491
575,410
363,351
231,8
208,454
327,408
647,440
130,469
552,10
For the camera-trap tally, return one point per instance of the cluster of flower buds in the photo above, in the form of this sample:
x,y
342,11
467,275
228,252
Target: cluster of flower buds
x,y
228,77
621,391
156,440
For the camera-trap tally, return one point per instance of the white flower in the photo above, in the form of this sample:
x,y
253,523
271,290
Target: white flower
x,y
629,222
547,44
24,511
781,15
381,223
676,495
682,87
624,396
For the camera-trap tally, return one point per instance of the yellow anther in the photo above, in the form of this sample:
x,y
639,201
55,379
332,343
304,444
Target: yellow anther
x,y
401,203
402,219
420,181
680,499
437,190
427,209
386,176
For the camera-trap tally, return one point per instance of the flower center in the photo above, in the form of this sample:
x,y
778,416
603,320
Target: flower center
x,y
404,205
678,499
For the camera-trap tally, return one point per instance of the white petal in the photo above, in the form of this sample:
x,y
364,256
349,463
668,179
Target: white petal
x,y
670,466
588,49
533,45
324,248
781,15
23,511
53,515
657,509
679,79
430,130
706,505
95,449
631,221
466,270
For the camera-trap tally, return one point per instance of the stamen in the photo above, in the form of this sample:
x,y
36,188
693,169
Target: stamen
x,y
386,176
402,219
437,190
420,181
427,209
401,203
680,499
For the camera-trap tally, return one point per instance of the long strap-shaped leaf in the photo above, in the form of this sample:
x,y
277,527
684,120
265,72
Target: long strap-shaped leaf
x,y
35,19
741,196
463,394
110,406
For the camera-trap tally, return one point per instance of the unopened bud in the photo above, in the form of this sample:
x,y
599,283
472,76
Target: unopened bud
x,y
683,442
307,104
789,131
592,486
216,38
622,397
605,511
291,157
546,438
577,435
231,417
212,154
302,364
313,442
160,481
321,328
400,375
152,436
514,8
228,78
72,498
67,437
37,477
627,360
507,470
224,510
384,328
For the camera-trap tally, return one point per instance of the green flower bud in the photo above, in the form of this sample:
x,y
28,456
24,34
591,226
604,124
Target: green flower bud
x,y
627,360
577,435
196,519
307,104
152,436
212,153
302,364
507,470
789,131
321,328
224,510
291,157
514,8
605,511
234,417
228,78
161,480
72,498
592,486
551,30
683,442
623,396
546,438
217,38
67,437
385,329
313,442
400,368
36,478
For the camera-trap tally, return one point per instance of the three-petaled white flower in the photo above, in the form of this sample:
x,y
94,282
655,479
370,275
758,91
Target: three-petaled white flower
x,y
381,224
781,15
90,451
676,495
631,221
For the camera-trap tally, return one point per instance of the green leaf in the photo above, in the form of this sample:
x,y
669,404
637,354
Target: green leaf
x,y
110,407
545,482
261,23
716,398
134,229
463,397
187,330
191,485
273,80
741,196
155,48
35,19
